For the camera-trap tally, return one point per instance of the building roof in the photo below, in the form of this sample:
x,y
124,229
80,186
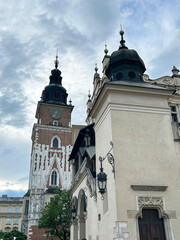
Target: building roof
x,y
86,131
5,198
137,84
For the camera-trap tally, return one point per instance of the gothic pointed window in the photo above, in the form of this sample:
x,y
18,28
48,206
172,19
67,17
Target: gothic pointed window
x,y
54,178
55,143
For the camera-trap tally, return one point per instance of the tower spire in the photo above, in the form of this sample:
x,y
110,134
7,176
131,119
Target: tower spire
x,y
56,61
96,68
122,42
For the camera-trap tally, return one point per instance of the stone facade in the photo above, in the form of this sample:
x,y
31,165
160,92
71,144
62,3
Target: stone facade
x,y
10,213
141,117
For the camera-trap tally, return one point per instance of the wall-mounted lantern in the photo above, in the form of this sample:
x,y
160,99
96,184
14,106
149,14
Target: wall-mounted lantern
x,y
102,177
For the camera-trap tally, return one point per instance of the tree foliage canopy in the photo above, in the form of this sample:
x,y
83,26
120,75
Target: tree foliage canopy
x,y
14,233
56,216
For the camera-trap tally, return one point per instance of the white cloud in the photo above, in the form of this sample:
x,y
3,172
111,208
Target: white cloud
x,y
29,35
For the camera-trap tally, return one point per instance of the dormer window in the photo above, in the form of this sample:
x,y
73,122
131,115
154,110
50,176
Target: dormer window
x,y
47,96
132,74
56,95
119,76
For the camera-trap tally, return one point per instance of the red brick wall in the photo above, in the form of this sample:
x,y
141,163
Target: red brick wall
x,y
39,234
46,119
45,136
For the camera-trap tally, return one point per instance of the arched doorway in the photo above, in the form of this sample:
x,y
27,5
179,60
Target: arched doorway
x,y
151,227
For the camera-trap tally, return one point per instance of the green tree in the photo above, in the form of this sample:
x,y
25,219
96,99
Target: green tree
x,y
56,216
14,233
2,235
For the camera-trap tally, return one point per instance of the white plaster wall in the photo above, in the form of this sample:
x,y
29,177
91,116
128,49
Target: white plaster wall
x,y
138,123
103,136
92,225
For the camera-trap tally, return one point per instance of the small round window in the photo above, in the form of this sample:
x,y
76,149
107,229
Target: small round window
x,y
119,75
132,74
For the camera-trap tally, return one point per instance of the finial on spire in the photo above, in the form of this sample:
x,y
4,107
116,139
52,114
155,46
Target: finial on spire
x,y
106,50
70,102
56,61
89,96
96,68
122,42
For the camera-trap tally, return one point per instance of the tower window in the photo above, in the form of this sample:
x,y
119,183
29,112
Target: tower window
x,y
47,95
56,95
119,76
55,123
132,74
174,114
9,210
54,178
55,143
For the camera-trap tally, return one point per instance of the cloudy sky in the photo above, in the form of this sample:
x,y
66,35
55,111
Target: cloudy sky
x,y
30,33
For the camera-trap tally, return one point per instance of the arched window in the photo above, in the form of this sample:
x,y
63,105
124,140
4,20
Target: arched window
x,y
54,178
55,142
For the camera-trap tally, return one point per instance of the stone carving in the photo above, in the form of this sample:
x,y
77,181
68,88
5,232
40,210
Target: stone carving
x,y
91,183
150,202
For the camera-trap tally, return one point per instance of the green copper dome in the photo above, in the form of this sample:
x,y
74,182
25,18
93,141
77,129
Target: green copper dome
x,y
55,93
125,55
125,64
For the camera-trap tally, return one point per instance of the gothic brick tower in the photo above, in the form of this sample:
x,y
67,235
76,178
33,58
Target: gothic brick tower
x,y
51,146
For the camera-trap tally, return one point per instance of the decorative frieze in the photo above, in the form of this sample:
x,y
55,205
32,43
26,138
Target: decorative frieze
x,y
151,202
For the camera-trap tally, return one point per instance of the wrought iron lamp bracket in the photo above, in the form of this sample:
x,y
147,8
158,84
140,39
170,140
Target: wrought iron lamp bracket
x,y
110,158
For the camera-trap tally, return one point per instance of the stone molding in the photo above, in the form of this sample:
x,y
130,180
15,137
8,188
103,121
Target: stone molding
x,y
155,203
150,202
148,188
52,128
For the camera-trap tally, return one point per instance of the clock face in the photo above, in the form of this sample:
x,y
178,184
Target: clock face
x,y
56,113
